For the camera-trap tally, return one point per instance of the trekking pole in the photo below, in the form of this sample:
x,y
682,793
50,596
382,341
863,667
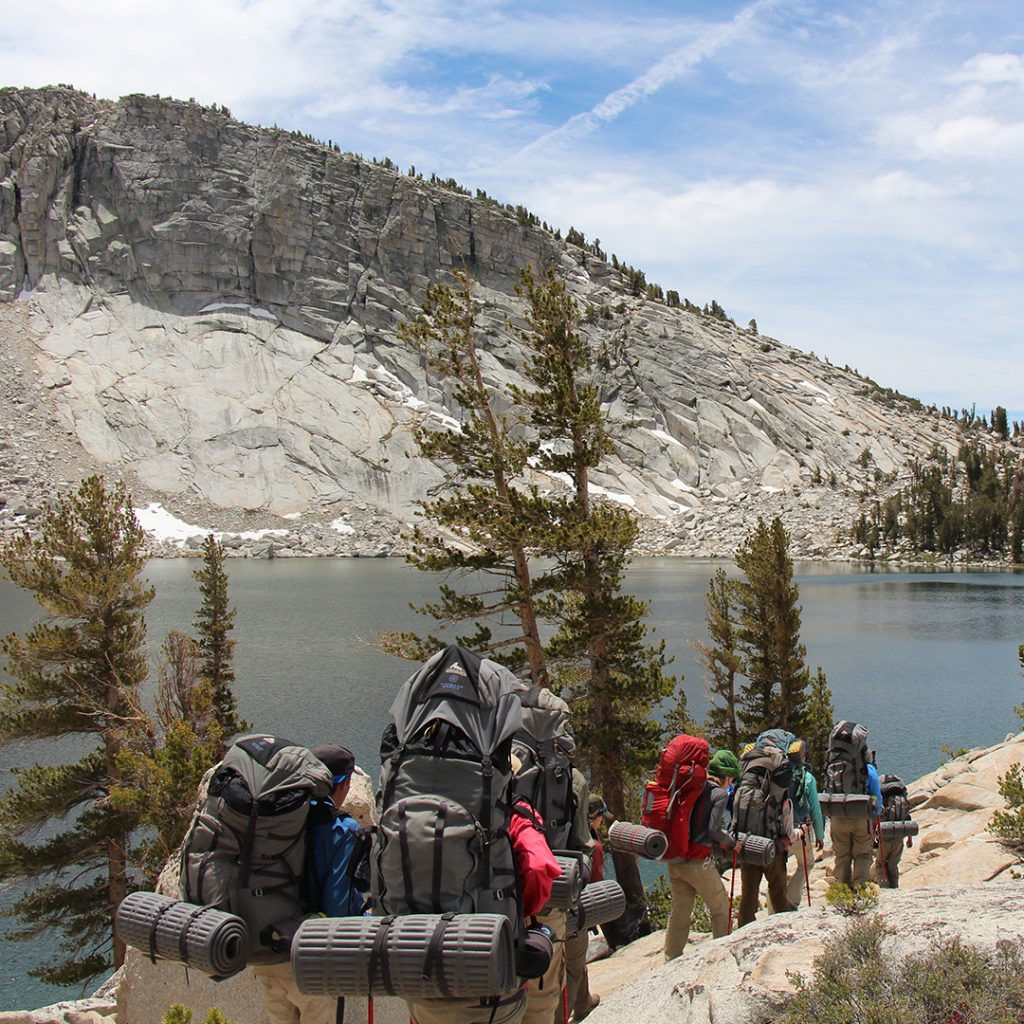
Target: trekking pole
x,y
732,888
807,870
565,985
369,1009
881,854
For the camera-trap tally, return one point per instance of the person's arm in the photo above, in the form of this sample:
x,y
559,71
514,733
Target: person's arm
x,y
716,833
874,789
580,838
816,819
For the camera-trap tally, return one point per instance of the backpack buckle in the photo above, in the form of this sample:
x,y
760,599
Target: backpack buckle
x,y
256,892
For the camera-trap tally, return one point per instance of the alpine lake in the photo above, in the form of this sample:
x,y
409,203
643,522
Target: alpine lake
x,y
925,659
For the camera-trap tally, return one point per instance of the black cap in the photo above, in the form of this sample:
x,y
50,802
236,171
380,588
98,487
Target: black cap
x,y
340,761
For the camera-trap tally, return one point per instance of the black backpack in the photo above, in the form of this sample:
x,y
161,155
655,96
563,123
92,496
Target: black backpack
x,y
846,768
543,746
895,802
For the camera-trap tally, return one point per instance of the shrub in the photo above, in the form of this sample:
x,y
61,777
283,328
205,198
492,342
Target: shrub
x,y
855,901
179,1014
659,906
1009,824
954,983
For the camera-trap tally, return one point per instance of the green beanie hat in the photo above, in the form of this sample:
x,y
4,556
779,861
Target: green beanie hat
x,y
725,762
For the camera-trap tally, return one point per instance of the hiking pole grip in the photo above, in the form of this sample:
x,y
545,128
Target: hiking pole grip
x,y
625,837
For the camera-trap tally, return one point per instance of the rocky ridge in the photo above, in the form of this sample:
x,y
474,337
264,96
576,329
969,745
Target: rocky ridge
x,y
208,309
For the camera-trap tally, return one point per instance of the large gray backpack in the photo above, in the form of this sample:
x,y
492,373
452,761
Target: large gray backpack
x,y
442,842
761,789
544,745
246,848
846,768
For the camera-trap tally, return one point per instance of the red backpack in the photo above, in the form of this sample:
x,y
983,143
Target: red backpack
x,y
670,799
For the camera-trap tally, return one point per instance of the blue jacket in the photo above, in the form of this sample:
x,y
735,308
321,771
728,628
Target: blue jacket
x,y
330,844
874,789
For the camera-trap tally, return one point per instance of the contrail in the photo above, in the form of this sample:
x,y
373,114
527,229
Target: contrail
x,y
667,70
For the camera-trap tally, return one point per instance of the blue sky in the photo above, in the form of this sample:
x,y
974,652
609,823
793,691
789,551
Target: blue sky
x,y
848,173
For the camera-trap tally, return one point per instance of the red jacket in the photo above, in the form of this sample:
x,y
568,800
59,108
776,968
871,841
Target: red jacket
x,y
535,863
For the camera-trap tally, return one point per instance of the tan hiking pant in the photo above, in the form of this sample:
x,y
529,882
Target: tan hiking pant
x,y
689,879
285,1004
796,886
750,888
851,841
544,995
468,1011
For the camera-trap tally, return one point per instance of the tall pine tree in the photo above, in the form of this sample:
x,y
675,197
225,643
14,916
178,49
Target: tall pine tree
x,y
609,673
768,633
74,677
722,661
213,624
484,500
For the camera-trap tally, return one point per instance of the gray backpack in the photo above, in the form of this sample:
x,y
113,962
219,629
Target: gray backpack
x,y
761,789
543,746
846,768
442,843
245,850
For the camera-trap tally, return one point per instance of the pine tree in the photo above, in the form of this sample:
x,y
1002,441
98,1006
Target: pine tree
x,y
610,675
73,676
161,774
768,635
819,721
723,663
484,499
213,623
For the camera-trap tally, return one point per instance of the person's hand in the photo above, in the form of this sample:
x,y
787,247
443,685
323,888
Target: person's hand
x,y
910,842
819,844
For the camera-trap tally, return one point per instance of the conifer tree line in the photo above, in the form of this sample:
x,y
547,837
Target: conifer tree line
x,y
972,503
77,837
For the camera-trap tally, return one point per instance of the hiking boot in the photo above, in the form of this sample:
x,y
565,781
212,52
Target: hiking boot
x,y
593,1006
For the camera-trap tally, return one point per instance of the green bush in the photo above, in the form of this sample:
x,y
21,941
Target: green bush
x,y
659,906
179,1014
1009,824
854,981
859,900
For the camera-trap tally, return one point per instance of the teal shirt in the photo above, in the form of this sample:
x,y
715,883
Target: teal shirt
x,y
808,806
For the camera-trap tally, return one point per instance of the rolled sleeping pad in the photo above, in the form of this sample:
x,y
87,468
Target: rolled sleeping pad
x,y
211,941
846,805
759,850
897,830
636,839
416,956
586,863
565,890
599,903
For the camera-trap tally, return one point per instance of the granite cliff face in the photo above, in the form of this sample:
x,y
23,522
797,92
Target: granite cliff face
x,y
210,308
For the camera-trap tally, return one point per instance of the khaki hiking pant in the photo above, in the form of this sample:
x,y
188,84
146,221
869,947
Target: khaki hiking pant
x,y
851,841
285,1004
892,853
544,995
468,1011
796,886
577,984
750,888
688,879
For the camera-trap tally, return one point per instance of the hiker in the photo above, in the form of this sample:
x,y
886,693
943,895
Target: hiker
x,y
849,772
332,841
448,745
895,809
803,791
762,807
590,810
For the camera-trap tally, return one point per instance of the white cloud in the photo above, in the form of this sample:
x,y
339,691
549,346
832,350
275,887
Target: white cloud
x,y
993,69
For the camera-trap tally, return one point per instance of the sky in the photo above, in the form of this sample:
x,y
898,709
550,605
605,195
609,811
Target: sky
x,y
846,173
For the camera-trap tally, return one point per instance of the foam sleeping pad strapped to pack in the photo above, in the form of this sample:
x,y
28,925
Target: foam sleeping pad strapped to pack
x,y
416,956
846,805
758,850
626,837
892,830
565,890
599,903
209,940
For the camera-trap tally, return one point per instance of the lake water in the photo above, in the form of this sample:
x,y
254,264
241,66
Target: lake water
x,y
924,659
